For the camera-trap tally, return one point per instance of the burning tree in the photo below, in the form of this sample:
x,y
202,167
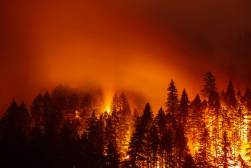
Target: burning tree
x,y
65,129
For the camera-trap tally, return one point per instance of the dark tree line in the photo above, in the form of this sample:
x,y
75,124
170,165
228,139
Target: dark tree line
x,y
63,129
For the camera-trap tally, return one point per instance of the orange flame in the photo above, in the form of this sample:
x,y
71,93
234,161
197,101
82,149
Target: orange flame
x,y
106,107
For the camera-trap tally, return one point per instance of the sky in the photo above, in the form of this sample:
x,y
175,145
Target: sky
x,y
135,45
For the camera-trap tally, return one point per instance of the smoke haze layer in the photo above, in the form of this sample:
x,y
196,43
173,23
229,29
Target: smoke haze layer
x,y
132,45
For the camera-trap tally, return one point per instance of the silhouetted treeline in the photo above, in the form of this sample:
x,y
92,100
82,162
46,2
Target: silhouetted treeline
x,y
64,129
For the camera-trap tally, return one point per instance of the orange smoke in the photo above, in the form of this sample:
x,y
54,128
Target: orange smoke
x,y
83,43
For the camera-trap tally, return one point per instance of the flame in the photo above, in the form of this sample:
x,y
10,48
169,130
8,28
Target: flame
x,y
107,108
107,102
77,114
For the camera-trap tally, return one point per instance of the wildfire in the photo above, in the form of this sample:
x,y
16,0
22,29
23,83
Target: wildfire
x,y
77,114
107,102
107,108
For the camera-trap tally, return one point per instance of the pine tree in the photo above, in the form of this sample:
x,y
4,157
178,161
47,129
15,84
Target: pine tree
x,y
37,112
125,105
59,97
116,106
181,148
160,122
52,116
16,119
172,99
147,116
161,125
183,109
135,146
167,149
14,128
69,146
112,158
125,122
196,115
121,116
210,91
94,142
227,153
153,144
209,84
203,156
24,119
110,131
138,145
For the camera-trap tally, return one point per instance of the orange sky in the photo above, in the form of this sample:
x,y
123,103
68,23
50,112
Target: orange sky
x,y
132,45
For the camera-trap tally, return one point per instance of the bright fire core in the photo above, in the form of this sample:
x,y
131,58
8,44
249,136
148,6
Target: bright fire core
x,y
107,103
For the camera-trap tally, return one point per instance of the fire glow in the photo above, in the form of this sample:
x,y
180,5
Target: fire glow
x,y
106,107
228,131
210,132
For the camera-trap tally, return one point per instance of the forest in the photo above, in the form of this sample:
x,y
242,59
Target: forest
x,y
63,129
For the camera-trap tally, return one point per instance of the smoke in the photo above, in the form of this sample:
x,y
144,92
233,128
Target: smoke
x,y
122,45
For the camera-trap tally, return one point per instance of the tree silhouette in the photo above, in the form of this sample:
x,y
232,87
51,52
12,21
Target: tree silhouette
x,y
37,112
93,143
152,149
172,99
167,146
183,109
112,158
203,156
139,144
14,128
210,90
121,119
62,130
181,148
226,148
209,84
